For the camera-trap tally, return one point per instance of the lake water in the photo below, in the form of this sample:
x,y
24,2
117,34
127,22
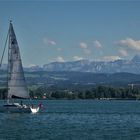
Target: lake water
x,y
75,120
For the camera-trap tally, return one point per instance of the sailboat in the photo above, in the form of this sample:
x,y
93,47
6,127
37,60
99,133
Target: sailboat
x,y
17,88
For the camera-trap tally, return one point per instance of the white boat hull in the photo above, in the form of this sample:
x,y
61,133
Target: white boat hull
x,y
15,109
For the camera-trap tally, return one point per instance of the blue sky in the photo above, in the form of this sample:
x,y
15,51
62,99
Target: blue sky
x,y
50,31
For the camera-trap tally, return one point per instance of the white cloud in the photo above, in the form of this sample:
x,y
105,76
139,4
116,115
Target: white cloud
x,y
77,58
131,43
111,58
51,42
32,65
123,52
83,45
48,41
97,44
60,59
85,48
57,59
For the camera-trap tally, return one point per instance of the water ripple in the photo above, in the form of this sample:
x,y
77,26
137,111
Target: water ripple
x,y
72,120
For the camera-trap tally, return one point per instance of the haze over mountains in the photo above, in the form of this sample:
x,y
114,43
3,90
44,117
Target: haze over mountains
x,y
82,73
118,66
129,66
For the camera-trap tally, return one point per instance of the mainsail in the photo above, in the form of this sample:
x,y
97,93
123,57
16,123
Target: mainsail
x,y
16,81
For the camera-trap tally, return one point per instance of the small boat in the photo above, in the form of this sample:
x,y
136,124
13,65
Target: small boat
x,y
17,88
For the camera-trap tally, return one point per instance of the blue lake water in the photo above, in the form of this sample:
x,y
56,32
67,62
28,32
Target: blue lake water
x,y
73,120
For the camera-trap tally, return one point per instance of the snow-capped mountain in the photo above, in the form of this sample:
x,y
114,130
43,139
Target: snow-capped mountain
x,y
33,68
130,66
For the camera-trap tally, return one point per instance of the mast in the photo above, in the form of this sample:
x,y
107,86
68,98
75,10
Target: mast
x,y
16,81
8,66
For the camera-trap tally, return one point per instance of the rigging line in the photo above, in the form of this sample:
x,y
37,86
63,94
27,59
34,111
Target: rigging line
x,y
4,49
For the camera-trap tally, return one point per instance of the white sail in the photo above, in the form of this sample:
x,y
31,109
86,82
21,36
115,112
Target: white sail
x,y
16,81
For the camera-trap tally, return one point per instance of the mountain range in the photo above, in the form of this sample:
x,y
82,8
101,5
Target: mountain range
x,y
118,66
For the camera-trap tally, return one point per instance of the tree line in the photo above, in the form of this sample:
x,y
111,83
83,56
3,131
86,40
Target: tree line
x,y
100,92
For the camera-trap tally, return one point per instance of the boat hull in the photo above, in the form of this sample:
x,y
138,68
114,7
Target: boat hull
x,y
14,109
